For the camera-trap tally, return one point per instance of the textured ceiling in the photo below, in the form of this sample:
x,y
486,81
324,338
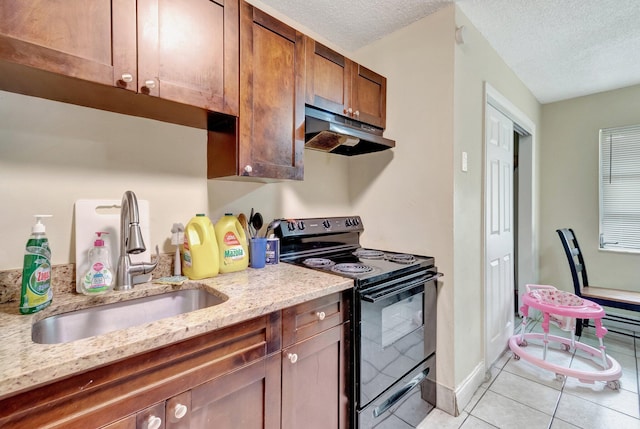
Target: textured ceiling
x,y
560,49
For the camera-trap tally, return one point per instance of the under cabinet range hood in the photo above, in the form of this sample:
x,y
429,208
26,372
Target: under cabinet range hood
x,y
328,132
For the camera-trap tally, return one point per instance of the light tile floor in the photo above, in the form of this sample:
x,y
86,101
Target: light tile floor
x,y
522,395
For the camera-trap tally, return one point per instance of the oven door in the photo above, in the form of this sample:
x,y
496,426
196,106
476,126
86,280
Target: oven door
x,y
396,332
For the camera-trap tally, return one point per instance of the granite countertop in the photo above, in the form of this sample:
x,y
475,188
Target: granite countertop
x,y
249,294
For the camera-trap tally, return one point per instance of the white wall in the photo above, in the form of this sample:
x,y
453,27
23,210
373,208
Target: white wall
x,y
476,63
569,186
407,193
52,154
435,111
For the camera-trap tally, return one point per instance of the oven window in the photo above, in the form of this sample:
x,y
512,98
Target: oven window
x,y
401,318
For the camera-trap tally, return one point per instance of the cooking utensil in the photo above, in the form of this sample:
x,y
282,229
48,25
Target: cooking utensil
x,y
245,224
250,224
271,228
257,223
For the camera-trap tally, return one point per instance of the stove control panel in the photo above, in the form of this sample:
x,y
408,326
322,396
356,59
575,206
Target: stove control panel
x,y
318,226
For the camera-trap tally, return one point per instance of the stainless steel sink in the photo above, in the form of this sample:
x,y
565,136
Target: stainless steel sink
x,y
67,327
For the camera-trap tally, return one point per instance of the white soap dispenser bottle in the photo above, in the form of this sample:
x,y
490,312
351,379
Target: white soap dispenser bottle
x,y
99,277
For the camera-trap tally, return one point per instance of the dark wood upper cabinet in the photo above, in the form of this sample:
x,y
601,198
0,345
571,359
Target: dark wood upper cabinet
x,y
267,141
188,52
183,51
94,41
339,85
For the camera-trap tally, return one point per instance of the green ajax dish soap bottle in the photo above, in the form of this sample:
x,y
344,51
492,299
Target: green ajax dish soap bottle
x,y
36,292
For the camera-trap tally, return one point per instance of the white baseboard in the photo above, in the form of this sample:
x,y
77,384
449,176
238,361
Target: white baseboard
x,y
454,402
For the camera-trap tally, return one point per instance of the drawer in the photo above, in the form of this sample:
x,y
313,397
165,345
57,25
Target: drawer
x,y
310,318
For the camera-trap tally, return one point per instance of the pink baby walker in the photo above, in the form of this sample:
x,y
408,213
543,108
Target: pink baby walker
x,y
563,308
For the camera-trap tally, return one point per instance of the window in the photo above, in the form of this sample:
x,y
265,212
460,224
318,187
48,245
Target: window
x,y
620,188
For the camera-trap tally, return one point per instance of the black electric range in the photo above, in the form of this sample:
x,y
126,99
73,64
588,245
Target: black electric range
x,y
394,317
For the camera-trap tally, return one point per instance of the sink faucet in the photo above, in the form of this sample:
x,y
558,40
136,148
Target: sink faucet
x,y
131,242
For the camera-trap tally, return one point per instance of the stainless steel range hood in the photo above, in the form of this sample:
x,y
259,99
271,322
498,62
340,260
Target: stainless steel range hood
x,y
332,133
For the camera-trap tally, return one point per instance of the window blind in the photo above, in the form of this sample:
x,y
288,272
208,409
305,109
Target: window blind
x,y
620,188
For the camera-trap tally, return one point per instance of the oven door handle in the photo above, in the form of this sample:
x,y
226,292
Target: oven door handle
x,y
401,393
386,293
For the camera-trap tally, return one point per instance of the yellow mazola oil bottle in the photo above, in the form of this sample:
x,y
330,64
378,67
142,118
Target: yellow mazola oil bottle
x,y
200,258
232,243
36,292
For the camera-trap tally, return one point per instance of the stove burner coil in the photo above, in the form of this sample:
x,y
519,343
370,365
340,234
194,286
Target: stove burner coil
x,y
400,258
369,254
318,262
351,268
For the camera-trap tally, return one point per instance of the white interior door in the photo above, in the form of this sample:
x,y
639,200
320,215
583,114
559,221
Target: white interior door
x,y
499,263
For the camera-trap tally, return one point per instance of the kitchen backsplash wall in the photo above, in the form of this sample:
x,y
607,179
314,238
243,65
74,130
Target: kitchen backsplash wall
x,y
52,154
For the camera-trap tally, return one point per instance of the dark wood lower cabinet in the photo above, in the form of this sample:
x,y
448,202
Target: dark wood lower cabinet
x,y
314,388
247,398
235,377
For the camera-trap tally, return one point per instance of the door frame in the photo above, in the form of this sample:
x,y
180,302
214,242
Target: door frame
x,y
527,251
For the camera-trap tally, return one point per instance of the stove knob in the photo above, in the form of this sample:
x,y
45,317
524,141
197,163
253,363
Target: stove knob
x,y
301,225
291,226
326,223
356,222
347,222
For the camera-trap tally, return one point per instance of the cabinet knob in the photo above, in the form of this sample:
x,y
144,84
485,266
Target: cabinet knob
x,y
248,169
127,77
180,411
152,422
150,83
357,114
321,315
348,111
293,357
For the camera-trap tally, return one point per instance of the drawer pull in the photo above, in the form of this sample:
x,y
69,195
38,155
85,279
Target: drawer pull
x,y
180,411
293,357
321,315
152,422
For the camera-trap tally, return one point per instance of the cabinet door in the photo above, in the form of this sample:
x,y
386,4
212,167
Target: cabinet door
x,y
328,77
272,97
314,391
248,398
94,41
369,96
188,52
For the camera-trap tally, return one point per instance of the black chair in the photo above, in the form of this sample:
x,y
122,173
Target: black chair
x,y
616,298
